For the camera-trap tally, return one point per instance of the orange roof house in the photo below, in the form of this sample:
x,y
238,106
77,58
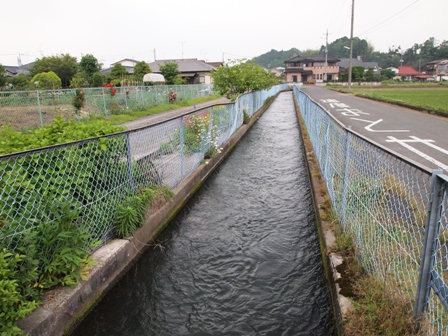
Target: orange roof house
x,y
408,72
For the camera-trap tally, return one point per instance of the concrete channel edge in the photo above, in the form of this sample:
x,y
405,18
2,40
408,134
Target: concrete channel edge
x,y
64,307
327,239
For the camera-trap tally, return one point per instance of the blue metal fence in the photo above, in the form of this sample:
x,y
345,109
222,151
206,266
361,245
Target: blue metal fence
x,y
27,109
394,211
94,176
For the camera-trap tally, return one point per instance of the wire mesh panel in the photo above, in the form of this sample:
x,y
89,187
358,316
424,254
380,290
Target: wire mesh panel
x,y
30,109
95,176
382,203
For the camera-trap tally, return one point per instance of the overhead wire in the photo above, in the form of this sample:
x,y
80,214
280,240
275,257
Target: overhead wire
x,y
402,11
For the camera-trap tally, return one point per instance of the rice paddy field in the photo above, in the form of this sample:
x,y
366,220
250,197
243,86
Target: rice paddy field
x,y
433,100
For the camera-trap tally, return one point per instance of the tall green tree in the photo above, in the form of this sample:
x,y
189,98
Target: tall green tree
x,y
141,69
240,77
89,65
170,71
65,66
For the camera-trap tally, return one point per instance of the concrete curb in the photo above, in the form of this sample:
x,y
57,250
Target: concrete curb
x,y
63,308
327,237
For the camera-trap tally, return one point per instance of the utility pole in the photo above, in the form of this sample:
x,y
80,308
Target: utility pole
x,y
326,56
351,48
155,55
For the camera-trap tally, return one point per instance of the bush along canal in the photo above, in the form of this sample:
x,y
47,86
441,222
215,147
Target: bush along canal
x,y
241,258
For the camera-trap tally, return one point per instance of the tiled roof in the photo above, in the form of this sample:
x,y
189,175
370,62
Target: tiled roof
x,y
126,59
407,71
184,65
313,58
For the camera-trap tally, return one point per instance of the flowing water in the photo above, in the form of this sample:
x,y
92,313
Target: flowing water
x,y
242,258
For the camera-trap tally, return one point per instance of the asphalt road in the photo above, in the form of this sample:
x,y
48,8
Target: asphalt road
x,y
418,136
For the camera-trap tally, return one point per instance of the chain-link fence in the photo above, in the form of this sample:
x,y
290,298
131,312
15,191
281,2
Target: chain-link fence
x,y
382,203
96,175
29,109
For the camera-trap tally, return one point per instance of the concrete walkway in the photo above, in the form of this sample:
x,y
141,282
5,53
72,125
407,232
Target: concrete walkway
x,y
156,118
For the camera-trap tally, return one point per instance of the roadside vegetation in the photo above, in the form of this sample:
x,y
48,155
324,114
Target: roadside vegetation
x,y
48,240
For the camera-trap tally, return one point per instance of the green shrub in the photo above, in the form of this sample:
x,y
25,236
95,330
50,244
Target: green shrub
x,y
14,303
130,214
61,243
246,117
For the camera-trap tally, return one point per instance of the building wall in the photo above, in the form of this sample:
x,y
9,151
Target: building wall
x,y
318,74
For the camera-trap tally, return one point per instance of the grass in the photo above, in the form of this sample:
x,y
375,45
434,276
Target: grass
x,y
426,99
429,97
117,119
378,312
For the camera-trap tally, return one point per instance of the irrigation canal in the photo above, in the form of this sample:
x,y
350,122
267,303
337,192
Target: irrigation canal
x,y
242,258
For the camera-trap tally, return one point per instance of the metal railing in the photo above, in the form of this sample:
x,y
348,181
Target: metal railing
x,y
94,176
28,109
394,210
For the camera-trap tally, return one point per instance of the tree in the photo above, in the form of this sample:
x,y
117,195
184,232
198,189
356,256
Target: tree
x,y
79,80
170,71
46,81
64,66
238,78
357,73
117,74
20,82
97,80
2,76
89,65
370,75
387,74
141,69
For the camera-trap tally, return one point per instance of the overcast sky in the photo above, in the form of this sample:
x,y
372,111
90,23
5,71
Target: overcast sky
x,y
207,29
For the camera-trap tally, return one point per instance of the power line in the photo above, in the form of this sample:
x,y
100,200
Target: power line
x,y
342,19
394,15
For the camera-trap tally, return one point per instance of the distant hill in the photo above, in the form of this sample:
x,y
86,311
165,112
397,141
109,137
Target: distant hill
x,y
273,59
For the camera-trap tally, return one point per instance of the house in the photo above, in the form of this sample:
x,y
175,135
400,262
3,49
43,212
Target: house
x,y
12,71
311,69
408,72
395,70
278,71
193,70
344,64
438,69
128,63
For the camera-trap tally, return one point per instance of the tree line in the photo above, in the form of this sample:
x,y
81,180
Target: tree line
x,y
64,71
416,56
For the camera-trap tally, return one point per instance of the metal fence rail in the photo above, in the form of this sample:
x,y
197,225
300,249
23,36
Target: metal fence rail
x,y
27,109
94,176
382,202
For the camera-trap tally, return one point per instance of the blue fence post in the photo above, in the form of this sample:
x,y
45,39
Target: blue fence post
x,y
327,147
346,176
104,101
126,97
39,109
129,159
429,245
181,132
